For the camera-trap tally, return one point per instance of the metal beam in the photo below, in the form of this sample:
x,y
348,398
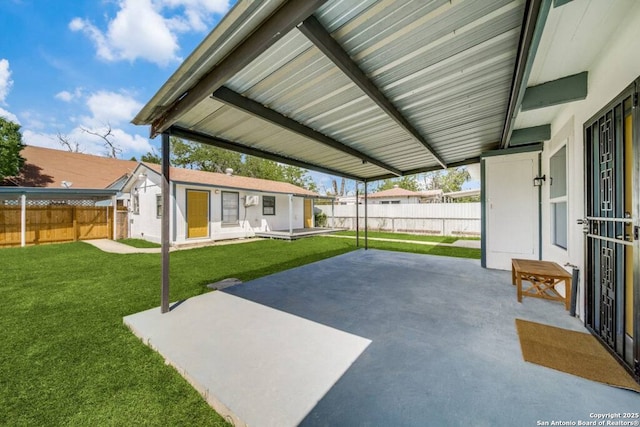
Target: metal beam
x,y
532,28
558,3
265,36
319,36
565,89
229,145
256,109
530,135
514,150
416,171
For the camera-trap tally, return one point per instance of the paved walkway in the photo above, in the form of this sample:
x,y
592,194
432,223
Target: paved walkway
x,y
112,246
374,338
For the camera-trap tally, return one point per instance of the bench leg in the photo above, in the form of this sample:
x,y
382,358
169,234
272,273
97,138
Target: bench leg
x,y
567,293
519,285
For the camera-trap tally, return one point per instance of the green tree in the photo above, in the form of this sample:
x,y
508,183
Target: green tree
x,y
10,146
151,157
448,181
193,155
407,182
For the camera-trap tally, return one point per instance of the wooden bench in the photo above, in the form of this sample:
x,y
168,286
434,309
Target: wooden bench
x,y
543,276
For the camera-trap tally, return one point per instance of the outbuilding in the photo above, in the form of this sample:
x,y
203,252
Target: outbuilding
x,y
209,206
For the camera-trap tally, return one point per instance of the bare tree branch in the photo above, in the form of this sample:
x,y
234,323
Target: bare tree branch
x,y
66,142
113,150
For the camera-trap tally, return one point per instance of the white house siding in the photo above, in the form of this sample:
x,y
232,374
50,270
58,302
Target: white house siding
x,y
430,218
617,67
251,218
145,224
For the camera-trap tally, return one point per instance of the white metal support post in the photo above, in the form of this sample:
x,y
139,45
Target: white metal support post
x,y
164,306
114,202
23,220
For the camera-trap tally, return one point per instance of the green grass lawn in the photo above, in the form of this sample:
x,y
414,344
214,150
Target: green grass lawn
x,y
401,236
451,251
67,359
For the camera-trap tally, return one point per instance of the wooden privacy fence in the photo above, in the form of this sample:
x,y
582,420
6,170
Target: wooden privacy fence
x,y
54,223
448,219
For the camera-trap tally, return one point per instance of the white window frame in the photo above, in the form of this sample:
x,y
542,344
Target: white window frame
x,y
235,221
268,210
556,201
135,202
158,205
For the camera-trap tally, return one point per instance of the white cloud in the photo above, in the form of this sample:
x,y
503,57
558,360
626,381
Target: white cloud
x,y
196,13
137,31
64,96
112,107
5,80
5,87
146,29
9,116
108,110
67,96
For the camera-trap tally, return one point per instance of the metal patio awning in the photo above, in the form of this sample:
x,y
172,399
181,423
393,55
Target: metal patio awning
x,y
364,90
47,193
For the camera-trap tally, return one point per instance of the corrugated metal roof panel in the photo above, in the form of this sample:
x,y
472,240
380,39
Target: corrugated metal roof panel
x,y
446,66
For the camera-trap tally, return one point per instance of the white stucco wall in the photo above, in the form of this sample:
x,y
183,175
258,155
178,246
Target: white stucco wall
x,y
145,224
616,68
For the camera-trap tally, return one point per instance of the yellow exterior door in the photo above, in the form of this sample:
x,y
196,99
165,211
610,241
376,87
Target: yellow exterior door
x,y
197,214
308,214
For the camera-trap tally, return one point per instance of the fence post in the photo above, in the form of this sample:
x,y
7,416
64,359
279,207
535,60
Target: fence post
x,y
74,220
109,222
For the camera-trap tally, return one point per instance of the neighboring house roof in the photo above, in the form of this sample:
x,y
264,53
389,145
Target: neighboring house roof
x,y
46,167
463,193
395,192
191,176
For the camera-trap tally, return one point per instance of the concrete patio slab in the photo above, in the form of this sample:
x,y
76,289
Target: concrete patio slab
x,y
255,365
444,348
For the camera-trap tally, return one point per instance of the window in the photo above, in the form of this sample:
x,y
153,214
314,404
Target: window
x,y
558,197
230,207
268,205
135,201
159,205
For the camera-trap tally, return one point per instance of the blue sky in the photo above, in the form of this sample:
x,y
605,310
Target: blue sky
x,y
71,66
